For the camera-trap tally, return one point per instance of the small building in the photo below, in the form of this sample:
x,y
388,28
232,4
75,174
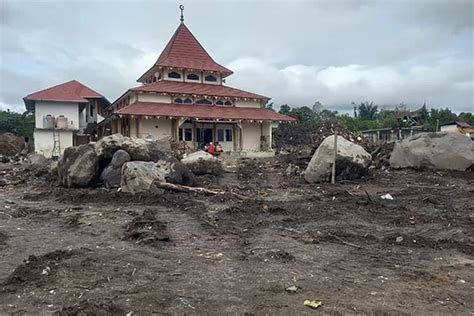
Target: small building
x,y
63,114
381,135
183,96
458,127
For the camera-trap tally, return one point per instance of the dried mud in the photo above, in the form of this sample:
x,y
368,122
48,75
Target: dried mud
x,y
102,252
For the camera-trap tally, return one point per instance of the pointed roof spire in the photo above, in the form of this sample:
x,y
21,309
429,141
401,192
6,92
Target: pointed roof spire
x,y
181,7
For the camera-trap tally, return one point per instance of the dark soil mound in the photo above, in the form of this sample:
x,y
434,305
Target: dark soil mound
x,y
36,271
85,308
346,169
146,230
3,237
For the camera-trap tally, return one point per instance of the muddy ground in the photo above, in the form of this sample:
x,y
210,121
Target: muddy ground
x,y
104,252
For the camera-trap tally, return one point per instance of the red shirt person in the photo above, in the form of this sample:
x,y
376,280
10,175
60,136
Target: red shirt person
x,y
211,149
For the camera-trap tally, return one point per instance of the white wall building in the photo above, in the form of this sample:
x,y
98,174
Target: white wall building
x,y
64,114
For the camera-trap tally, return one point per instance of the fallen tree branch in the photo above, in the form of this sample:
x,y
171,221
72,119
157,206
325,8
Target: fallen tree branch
x,y
184,188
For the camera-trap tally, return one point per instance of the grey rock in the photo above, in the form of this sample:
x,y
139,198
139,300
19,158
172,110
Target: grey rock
x,y
79,166
138,176
438,151
201,163
352,161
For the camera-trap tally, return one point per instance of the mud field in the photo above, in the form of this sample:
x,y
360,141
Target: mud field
x,y
261,249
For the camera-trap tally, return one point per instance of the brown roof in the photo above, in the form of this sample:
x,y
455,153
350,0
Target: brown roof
x,y
184,51
174,87
69,91
463,124
202,111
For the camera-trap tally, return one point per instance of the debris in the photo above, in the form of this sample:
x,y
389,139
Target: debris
x,y
292,289
312,304
399,239
387,197
183,188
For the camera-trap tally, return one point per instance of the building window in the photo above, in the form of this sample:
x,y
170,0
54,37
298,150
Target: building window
x,y
210,78
224,135
183,101
203,101
220,102
220,135
228,103
174,75
192,77
186,134
91,110
228,135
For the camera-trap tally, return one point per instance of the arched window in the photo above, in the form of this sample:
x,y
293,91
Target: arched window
x,y
174,75
210,78
178,100
203,101
192,77
219,102
228,103
188,101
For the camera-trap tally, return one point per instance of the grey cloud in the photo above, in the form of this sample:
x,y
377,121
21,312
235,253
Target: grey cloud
x,y
294,51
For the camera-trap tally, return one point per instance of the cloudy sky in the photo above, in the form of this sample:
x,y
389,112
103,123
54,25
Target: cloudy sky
x,y
296,52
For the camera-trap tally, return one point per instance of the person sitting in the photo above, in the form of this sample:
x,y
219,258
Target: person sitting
x,y
219,149
211,149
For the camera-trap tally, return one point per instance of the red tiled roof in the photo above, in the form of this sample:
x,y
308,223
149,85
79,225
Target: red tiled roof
x,y
69,91
184,51
197,88
202,111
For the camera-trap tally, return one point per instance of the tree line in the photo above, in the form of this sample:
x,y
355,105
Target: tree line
x,y
21,124
367,115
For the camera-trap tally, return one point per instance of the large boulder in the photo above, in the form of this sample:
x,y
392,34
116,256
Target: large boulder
x,y
352,161
138,148
111,176
201,163
39,164
79,166
10,144
138,176
451,151
107,146
176,172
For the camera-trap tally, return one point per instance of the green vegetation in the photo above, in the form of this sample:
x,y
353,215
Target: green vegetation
x,y
367,115
17,123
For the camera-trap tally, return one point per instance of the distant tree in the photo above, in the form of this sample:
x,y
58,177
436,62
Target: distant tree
x,y
269,106
466,117
367,110
425,115
439,117
21,124
303,114
327,115
317,107
285,109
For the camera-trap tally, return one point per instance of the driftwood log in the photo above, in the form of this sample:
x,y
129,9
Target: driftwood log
x,y
184,188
